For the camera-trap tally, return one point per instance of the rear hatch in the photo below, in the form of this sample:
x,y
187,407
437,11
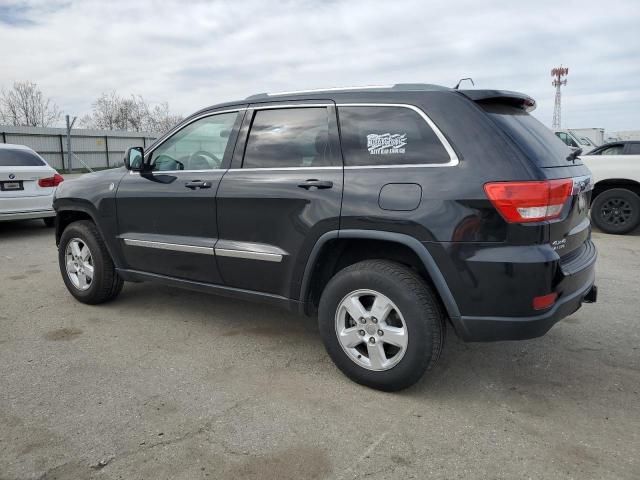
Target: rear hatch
x,y
568,233
20,171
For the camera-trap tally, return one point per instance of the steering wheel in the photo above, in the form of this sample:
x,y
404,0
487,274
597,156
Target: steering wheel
x,y
164,158
210,158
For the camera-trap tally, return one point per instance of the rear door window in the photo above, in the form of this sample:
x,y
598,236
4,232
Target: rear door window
x,y
534,139
19,158
612,150
289,138
381,135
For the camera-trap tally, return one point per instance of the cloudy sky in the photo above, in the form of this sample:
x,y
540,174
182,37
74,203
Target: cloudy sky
x,y
194,54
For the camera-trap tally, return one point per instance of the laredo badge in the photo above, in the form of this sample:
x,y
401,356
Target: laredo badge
x,y
386,143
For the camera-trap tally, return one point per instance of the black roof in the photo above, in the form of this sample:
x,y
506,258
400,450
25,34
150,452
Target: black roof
x,y
380,92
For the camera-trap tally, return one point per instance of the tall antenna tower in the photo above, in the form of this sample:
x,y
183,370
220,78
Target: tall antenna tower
x,y
558,74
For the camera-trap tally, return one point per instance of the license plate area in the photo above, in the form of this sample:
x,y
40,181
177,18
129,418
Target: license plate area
x,y
11,186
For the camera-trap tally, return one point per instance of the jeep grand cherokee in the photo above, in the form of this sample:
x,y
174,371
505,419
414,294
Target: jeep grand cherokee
x,y
392,213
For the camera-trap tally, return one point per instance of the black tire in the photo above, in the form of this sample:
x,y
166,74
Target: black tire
x,y
49,221
106,284
616,211
419,306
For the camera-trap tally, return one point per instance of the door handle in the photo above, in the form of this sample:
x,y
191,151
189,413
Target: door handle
x,y
319,184
197,184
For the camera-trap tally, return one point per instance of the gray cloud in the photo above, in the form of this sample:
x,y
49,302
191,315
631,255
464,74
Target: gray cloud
x,y
194,54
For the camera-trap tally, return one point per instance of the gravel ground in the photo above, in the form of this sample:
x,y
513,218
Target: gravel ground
x,y
169,384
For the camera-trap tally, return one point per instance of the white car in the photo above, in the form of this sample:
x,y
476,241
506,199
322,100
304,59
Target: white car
x,y
27,185
615,202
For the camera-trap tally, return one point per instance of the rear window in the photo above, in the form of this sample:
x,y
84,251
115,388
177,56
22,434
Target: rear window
x,y
388,136
19,158
536,141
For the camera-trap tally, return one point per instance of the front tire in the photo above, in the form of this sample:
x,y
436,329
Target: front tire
x,y
85,264
616,211
381,324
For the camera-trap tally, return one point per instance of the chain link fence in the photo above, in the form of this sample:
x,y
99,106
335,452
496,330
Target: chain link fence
x,y
91,149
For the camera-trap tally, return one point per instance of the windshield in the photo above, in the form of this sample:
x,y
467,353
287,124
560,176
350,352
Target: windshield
x,y
19,158
538,142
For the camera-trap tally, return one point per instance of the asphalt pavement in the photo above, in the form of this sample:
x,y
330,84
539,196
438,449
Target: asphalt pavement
x,y
172,384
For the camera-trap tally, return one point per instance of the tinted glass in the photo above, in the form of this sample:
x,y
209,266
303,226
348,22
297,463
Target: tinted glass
x,y
198,146
19,158
289,137
534,139
388,136
633,149
612,150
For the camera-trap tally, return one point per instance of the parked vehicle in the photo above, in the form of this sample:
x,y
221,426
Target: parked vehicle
x,y
594,135
574,140
390,212
615,166
27,185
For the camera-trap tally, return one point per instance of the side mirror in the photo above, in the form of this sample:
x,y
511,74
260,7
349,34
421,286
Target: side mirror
x,y
134,158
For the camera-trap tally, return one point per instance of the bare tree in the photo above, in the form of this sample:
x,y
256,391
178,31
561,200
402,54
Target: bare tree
x,y
160,119
112,112
25,105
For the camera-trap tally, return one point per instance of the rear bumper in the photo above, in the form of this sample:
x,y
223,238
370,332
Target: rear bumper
x,y
491,329
23,208
27,215
494,287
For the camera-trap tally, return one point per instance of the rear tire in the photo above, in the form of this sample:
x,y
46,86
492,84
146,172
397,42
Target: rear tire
x,y
49,221
410,332
616,211
85,264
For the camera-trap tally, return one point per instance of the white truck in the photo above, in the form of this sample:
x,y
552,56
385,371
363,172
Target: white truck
x,y
615,202
574,139
594,135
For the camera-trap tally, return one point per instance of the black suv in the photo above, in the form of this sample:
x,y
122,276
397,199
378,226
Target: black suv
x,y
390,212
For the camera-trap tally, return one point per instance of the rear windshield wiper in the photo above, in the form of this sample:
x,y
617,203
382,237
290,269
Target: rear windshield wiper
x,y
573,155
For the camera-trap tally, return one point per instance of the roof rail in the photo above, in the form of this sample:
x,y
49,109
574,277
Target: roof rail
x,y
397,86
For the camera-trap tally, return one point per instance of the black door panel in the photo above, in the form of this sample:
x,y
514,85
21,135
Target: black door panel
x,y
270,218
172,216
167,216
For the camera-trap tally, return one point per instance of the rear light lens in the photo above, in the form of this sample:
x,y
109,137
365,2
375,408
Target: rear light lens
x,y
545,301
521,202
50,182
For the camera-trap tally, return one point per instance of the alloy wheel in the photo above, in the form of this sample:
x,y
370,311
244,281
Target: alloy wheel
x,y
371,330
79,264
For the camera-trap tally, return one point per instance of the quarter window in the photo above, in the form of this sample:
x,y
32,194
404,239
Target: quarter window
x,y
383,135
289,137
198,146
633,149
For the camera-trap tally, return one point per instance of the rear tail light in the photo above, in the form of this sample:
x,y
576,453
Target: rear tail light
x,y
520,202
54,181
544,301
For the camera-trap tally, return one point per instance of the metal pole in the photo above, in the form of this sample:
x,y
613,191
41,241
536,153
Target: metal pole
x,y
69,153
61,151
106,148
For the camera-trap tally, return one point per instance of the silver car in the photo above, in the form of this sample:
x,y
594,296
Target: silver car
x,y
27,185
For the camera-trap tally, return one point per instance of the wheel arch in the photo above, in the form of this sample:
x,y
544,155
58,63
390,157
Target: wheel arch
x,y
405,244
609,183
69,214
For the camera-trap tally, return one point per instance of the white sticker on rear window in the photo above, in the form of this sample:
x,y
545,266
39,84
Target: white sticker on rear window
x,y
386,143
